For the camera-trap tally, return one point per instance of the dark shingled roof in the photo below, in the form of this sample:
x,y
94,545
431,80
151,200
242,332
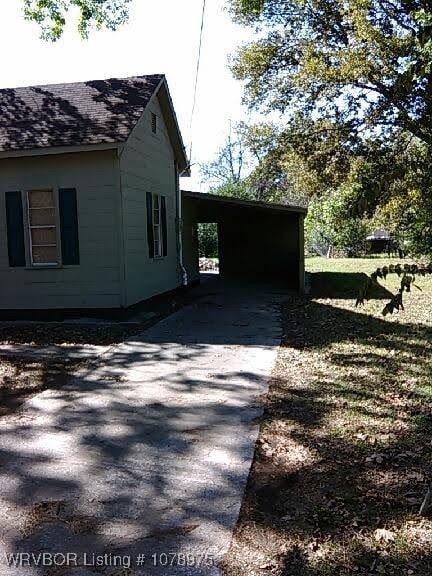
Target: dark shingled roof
x,y
94,112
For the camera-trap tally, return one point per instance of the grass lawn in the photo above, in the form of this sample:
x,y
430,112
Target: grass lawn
x,y
345,448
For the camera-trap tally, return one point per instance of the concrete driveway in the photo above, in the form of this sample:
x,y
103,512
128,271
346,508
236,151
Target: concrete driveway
x,y
149,453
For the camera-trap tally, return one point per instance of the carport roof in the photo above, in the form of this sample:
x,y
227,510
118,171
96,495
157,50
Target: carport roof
x,y
228,201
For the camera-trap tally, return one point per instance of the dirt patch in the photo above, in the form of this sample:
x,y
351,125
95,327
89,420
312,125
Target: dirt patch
x,y
21,378
58,511
66,334
343,458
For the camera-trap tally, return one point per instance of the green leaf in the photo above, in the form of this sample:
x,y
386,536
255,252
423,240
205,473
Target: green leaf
x,y
93,14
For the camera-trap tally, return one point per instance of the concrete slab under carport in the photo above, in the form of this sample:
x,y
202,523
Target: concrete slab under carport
x,y
256,239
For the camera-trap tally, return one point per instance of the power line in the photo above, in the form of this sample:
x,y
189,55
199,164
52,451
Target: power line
x,y
196,77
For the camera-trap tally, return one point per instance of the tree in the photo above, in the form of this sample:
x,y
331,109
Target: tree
x,y
229,165
403,198
267,181
241,189
51,15
228,173
382,183
246,166
331,222
208,239
363,63
304,160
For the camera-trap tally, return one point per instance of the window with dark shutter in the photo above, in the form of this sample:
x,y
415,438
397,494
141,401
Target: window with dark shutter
x,y
69,233
150,240
164,226
42,224
15,229
157,236
157,226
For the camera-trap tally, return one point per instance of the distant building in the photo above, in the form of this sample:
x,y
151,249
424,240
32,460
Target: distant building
x,y
380,241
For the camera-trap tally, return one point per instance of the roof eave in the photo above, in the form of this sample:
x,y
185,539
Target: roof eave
x,y
245,203
55,150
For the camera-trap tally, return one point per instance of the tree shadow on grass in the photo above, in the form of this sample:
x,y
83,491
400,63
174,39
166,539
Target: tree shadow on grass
x,y
344,285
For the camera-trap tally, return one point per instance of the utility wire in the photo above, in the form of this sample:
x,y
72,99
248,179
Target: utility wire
x,y
196,77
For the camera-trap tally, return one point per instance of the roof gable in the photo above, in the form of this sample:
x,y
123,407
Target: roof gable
x,y
175,136
78,114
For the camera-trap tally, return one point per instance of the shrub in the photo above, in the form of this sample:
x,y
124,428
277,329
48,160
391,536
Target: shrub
x,y
208,240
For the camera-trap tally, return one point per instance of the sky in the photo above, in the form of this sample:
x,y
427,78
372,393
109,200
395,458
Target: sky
x,y
161,37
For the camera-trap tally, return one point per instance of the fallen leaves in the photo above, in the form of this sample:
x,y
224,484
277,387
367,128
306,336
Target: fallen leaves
x,y
20,378
384,535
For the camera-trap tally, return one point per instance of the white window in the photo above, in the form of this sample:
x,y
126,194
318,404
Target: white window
x,y
157,226
42,223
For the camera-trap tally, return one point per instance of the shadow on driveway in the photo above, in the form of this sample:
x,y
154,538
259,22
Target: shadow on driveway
x,y
148,452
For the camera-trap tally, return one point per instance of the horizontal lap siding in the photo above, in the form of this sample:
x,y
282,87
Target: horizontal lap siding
x,y
147,165
95,282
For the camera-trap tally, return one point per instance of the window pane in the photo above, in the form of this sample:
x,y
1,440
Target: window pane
x,y
45,255
156,233
42,217
157,248
156,217
156,201
43,236
41,198
42,222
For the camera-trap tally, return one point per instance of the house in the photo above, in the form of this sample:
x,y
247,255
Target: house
x,y
91,213
89,194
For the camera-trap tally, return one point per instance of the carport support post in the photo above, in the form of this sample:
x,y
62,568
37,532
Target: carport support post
x,y
301,271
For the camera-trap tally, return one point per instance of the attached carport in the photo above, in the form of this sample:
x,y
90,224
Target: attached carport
x,y
256,239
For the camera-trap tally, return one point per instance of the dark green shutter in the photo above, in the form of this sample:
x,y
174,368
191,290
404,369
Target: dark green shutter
x,y
164,226
15,229
150,238
69,226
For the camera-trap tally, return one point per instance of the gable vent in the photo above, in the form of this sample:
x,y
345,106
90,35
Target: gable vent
x,y
153,123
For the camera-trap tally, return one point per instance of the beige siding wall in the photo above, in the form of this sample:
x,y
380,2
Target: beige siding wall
x,y
147,165
95,283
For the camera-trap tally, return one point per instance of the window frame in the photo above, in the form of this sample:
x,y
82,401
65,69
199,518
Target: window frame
x,y
29,243
157,226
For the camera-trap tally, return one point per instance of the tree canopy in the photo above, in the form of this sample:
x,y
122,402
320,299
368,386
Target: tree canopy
x,y
352,81
51,15
364,63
